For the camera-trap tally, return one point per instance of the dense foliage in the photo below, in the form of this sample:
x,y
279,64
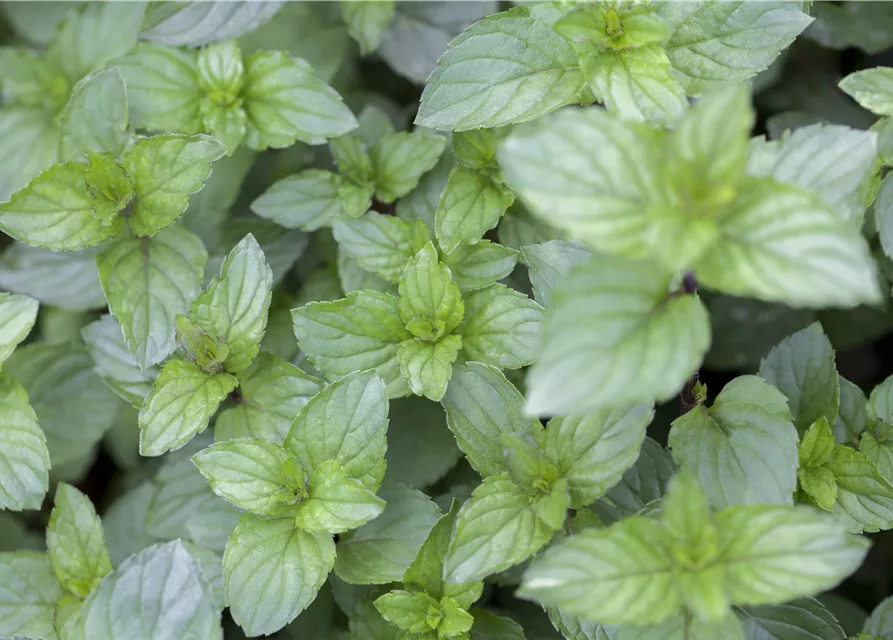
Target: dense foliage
x,y
421,321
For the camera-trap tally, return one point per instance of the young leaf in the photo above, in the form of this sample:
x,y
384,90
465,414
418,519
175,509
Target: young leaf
x,y
366,21
235,304
430,303
180,405
700,35
284,103
549,263
427,366
469,89
56,211
743,448
802,367
470,205
95,118
351,155
336,502
24,459
383,549
345,422
148,281
256,475
158,591
594,451
501,327
220,70
379,243
17,317
481,405
401,159
416,613
29,594
165,170
307,200
872,88
271,392
75,542
477,266
864,497
607,315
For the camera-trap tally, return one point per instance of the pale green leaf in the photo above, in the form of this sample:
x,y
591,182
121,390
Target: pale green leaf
x,y
180,405
421,203
114,362
284,103
883,215
864,497
685,627
881,620
401,159
743,449
17,316
282,249
430,303
851,417
66,280
307,200
501,327
124,523
29,144
481,405
476,149
712,43
470,205
872,88
271,392
336,502
346,422
159,592
24,459
366,21
802,367
379,243
427,366
480,265
75,542
537,72
801,619
95,118
781,244
148,282
876,445
28,594
194,25
574,628
382,550
225,123
253,474
236,302
594,451
612,337
352,277
220,69
549,263
165,170
361,331
412,612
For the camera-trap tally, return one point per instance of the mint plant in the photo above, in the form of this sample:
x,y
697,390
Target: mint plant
x,y
446,321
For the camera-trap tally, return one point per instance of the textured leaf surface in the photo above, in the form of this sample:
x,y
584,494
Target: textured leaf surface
x,y
28,594
24,459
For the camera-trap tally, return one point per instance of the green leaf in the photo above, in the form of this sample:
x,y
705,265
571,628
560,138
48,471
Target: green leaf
x,y
595,450
162,88
872,88
256,475
226,123
880,622
148,281
864,497
612,337
361,331
802,367
401,159
271,392
17,316
637,83
195,25
75,542
114,363
476,149
501,327
220,70
236,302
714,43
496,529
284,103
549,263
352,277
29,594
24,459
616,575
346,422
95,118
875,444
470,88
108,185
366,21
124,523
686,627
806,257
477,266
801,619
337,502
743,448
481,405
198,347
180,405
265,551
851,419
379,243
817,445
881,400
382,550
307,200
415,613
470,205
575,628
351,154
56,211
29,144
159,592
528,467
66,280
165,170
430,303
421,203
427,366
